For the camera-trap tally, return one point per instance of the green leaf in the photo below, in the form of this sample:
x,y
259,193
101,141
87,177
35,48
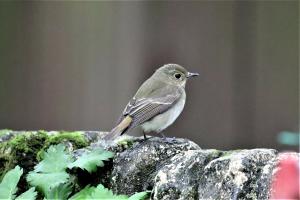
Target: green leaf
x,y
45,181
54,160
50,172
102,193
90,193
139,196
28,195
85,193
91,160
8,186
59,192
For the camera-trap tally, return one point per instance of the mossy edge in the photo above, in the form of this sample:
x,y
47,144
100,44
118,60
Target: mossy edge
x,y
26,148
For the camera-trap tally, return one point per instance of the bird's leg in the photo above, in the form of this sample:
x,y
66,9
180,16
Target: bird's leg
x,y
145,137
163,135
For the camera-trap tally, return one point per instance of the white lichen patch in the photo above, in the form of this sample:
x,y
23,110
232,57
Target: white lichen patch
x,y
171,173
230,168
162,177
267,169
235,167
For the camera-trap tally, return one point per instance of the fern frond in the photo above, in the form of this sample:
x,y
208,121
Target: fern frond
x,y
90,161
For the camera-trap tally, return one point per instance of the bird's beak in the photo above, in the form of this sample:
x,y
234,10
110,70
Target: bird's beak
x,y
189,74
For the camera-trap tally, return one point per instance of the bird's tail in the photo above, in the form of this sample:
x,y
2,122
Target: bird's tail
x,y
119,129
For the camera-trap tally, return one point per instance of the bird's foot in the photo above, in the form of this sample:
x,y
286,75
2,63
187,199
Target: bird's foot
x,y
163,135
145,137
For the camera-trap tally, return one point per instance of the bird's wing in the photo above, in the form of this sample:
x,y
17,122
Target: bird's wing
x,y
152,104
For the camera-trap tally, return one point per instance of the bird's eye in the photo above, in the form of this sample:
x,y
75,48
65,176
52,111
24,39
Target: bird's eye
x,y
178,76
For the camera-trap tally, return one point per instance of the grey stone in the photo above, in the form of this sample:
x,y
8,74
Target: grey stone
x,y
179,177
179,169
243,174
175,168
135,168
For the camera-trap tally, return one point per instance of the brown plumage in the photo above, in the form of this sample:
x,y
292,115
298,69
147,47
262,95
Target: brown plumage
x,y
120,128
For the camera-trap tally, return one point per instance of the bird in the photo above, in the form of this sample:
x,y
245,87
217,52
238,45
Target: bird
x,y
156,104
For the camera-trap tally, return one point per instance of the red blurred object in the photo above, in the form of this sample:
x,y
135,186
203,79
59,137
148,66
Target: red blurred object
x,y
285,183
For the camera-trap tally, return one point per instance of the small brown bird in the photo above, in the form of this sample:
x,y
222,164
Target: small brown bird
x,y
157,103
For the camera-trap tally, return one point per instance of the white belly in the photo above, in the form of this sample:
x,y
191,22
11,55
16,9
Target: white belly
x,y
162,121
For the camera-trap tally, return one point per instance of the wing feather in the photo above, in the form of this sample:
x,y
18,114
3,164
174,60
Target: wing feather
x,y
143,109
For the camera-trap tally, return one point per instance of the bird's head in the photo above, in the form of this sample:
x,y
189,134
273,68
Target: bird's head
x,y
174,74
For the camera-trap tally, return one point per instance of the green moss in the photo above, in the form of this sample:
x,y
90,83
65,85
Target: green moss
x,y
228,153
4,164
28,141
213,154
21,150
126,142
4,132
26,148
76,138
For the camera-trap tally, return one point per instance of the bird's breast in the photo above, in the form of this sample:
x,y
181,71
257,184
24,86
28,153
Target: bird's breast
x,y
165,119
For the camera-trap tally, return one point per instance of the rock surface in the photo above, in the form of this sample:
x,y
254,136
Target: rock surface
x,y
181,170
174,168
141,162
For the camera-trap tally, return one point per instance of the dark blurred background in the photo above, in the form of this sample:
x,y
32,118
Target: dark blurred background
x,y
75,65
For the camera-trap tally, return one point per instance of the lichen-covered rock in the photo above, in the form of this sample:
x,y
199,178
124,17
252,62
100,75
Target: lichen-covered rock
x,y
171,168
179,177
23,148
242,174
135,168
181,170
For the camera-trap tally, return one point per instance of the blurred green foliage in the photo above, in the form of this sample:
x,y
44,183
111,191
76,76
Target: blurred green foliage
x,y
289,138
